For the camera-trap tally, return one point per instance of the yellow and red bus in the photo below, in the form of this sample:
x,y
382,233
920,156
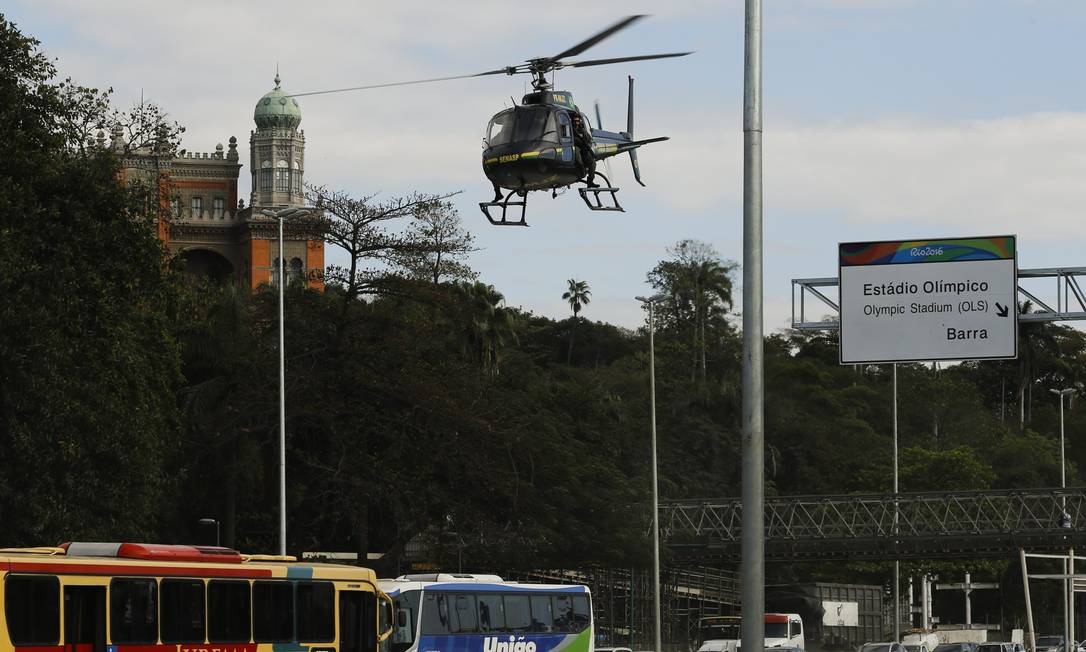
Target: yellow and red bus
x,y
132,597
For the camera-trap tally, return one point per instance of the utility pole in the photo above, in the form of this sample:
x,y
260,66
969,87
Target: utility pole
x,y
753,564
897,563
657,620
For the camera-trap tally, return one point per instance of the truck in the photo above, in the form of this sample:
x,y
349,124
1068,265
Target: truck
x,y
721,633
837,616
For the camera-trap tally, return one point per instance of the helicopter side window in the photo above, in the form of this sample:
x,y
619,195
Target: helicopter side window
x,y
500,130
565,129
550,129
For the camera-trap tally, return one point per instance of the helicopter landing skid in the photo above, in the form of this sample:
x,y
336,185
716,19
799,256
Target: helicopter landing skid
x,y
596,203
504,204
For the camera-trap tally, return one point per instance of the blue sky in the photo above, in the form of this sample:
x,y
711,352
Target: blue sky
x,y
884,119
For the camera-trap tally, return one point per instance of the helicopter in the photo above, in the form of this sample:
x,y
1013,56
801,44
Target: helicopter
x,y
546,142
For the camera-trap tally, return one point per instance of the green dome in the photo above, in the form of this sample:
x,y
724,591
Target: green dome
x,y
276,109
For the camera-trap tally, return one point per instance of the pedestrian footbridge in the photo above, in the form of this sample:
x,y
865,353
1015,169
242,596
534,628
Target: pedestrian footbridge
x,y
943,525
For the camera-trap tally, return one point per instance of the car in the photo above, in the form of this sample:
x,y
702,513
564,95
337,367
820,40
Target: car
x,y
956,647
916,647
995,646
1049,643
882,647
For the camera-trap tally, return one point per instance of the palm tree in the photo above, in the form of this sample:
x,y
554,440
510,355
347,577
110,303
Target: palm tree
x,y
698,284
488,324
578,295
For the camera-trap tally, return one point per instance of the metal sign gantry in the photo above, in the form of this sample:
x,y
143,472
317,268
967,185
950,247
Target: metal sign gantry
x,y
1067,303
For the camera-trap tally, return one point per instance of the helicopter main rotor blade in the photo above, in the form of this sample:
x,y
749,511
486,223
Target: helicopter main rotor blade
x,y
589,42
501,71
601,62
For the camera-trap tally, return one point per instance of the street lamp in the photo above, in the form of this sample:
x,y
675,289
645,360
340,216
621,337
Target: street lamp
x,y
651,302
281,215
1065,521
1063,467
211,521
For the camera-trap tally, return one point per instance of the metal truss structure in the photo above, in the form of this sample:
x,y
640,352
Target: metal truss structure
x,y
622,601
1067,303
966,524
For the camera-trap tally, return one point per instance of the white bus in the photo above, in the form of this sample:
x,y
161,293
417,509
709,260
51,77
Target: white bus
x,y
483,613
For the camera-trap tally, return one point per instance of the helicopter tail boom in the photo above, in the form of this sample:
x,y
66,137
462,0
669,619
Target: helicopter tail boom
x,y
612,144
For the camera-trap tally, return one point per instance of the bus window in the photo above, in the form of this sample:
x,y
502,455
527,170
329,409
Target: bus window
x,y
84,618
316,612
462,614
33,610
357,621
563,613
182,604
491,614
228,610
133,611
582,613
518,617
405,618
435,615
542,618
273,612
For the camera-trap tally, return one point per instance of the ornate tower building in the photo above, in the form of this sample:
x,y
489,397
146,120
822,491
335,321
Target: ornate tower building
x,y
207,228
277,160
277,152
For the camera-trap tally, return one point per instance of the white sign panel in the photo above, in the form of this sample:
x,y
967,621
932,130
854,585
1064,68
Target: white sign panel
x,y
923,300
841,614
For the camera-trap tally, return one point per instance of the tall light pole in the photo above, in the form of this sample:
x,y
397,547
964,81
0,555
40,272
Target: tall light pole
x,y
651,302
1065,521
1063,465
752,572
897,563
281,215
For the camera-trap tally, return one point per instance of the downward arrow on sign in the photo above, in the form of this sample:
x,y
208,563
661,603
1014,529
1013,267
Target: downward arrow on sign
x,y
1001,310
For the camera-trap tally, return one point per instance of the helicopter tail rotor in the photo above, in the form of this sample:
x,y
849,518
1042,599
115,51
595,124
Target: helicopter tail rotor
x,y
630,131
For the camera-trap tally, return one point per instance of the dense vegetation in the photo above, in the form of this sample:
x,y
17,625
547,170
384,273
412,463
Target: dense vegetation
x,y
420,406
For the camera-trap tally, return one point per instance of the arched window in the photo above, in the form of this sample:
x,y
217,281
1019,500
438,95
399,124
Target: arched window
x,y
295,274
266,175
275,272
282,176
296,179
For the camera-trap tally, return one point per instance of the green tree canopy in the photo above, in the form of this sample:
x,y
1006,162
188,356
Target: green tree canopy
x,y
88,367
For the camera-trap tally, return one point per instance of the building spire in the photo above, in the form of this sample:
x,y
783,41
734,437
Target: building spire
x,y
276,75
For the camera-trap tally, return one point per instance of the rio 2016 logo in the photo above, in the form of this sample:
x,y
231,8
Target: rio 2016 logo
x,y
924,252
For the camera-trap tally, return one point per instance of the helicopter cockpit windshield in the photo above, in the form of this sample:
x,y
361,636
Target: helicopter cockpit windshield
x,y
522,124
500,130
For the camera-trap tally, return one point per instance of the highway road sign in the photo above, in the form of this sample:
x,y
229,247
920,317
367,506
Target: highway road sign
x,y
924,300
